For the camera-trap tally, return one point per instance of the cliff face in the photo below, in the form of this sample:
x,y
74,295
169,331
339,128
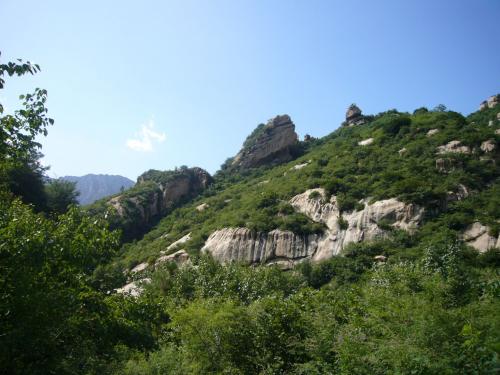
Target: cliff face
x,y
269,144
154,196
287,248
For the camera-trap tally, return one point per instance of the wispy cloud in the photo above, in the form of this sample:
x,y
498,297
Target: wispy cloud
x,y
145,138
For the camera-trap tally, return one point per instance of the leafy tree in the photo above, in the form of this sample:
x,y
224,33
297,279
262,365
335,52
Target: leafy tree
x,y
60,195
20,170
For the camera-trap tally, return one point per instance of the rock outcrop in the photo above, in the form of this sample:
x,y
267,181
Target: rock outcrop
x,y
268,144
354,116
133,289
284,247
180,258
453,147
477,235
155,194
491,102
488,146
365,142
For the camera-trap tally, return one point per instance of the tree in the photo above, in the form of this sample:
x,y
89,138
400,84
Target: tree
x,y
60,195
21,173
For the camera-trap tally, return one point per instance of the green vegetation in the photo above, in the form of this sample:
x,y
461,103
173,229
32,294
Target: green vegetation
x,y
60,195
411,303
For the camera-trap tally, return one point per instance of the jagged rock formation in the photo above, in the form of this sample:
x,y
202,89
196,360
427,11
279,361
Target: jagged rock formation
x,y
268,144
354,116
156,194
284,247
491,102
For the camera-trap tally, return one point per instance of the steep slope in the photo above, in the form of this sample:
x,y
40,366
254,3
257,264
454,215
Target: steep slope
x,y
155,194
93,187
417,173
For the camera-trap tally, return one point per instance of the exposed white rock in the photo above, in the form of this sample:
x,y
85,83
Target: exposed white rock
x,y
202,207
497,132
140,267
180,241
365,142
488,146
493,101
380,258
263,182
402,151
362,225
453,147
179,257
300,166
431,132
477,236
243,245
134,289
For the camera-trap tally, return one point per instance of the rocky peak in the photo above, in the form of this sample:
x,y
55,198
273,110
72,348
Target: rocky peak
x,y
268,144
353,115
491,102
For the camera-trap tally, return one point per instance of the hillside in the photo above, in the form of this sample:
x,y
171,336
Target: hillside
x,y
389,228
93,187
417,170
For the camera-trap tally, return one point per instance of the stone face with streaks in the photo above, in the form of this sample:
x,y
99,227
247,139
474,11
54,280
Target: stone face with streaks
x,y
271,146
243,245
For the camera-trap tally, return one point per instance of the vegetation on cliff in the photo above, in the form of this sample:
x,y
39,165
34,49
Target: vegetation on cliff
x,y
421,302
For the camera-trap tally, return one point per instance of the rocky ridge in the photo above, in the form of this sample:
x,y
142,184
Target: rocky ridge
x,y
270,144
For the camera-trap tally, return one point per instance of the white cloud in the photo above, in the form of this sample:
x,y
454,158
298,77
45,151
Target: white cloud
x,y
145,138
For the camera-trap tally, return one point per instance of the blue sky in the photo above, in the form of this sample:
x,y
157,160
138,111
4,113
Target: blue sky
x,y
135,85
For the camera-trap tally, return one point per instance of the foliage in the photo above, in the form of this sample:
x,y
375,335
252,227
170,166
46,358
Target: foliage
x,y
60,195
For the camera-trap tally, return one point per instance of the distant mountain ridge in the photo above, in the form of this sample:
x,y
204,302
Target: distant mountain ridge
x,y
96,186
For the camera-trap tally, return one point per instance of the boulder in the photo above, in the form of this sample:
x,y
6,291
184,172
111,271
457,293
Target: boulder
x,y
488,146
180,258
300,166
453,147
133,289
202,207
431,132
477,235
402,151
271,144
365,142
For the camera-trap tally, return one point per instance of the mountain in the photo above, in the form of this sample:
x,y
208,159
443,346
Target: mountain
x,y
96,186
372,250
